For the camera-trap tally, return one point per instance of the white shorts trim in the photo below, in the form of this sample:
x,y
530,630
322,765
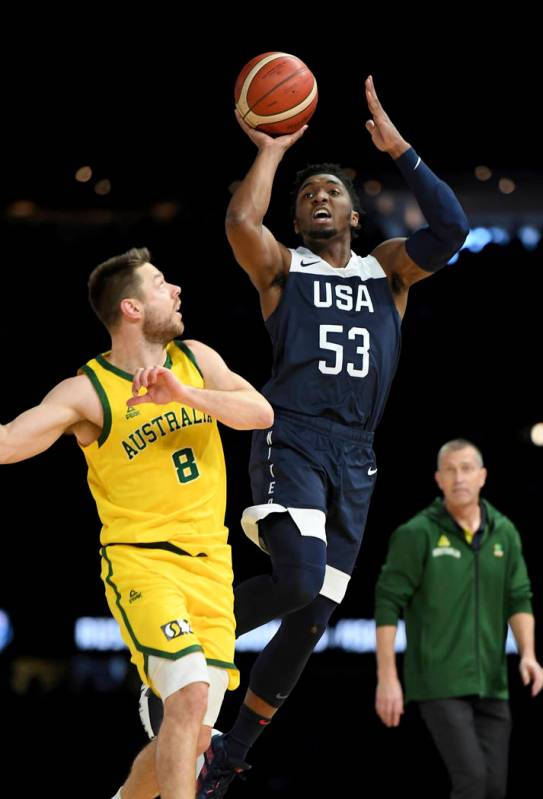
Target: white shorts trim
x,y
309,521
335,584
169,676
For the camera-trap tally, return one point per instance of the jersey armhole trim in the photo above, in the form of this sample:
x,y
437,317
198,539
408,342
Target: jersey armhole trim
x,y
102,396
190,355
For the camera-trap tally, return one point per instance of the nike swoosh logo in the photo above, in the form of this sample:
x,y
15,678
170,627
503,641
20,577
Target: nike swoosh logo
x,y
371,471
308,263
281,696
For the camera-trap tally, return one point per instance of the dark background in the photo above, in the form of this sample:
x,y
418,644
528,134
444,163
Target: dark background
x,y
148,104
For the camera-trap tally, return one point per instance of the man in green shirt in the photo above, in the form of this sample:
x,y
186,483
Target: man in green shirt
x,y
456,572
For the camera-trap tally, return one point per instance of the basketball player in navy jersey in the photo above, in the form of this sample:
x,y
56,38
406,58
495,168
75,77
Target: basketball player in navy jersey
x,y
334,321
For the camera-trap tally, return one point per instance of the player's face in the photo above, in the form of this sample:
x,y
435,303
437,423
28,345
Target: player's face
x,y
161,303
461,477
323,208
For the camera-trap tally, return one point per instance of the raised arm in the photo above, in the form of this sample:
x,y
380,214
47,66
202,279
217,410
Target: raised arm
x,y
254,246
70,403
227,396
407,261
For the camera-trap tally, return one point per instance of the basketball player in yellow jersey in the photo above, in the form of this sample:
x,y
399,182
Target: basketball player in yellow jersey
x,y
158,477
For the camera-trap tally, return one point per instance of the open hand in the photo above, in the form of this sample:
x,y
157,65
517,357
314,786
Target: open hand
x,y
384,134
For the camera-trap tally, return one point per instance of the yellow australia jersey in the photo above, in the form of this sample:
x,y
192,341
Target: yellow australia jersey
x,y
156,472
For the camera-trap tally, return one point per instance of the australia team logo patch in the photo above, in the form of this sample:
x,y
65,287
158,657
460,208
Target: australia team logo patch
x,y
444,548
498,551
176,628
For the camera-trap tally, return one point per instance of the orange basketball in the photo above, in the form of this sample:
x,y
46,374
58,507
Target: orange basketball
x,y
276,93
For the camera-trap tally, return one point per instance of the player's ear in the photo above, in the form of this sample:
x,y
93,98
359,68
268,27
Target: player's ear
x,y
296,226
131,308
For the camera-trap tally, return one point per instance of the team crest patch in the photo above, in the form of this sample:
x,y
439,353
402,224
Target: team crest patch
x,y
498,551
131,412
134,595
176,628
443,541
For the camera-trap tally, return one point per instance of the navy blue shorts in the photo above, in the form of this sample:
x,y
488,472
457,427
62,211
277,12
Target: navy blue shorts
x,y
314,463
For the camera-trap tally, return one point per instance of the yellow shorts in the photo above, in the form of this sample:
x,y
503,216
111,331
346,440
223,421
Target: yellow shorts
x,y
168,604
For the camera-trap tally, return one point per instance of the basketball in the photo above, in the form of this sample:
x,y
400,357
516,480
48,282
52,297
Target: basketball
x,y
276,93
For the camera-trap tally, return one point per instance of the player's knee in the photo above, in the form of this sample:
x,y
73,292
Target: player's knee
x,y
310,623
316,631
318,615
309,630
298,584
188,703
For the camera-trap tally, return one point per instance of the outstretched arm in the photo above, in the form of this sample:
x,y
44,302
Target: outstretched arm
x,y
254,246
226,396
429,249
35,430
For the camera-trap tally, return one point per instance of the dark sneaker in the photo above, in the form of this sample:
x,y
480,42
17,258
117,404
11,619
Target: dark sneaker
x,y
218,770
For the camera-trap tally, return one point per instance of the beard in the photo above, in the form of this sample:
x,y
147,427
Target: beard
x,y
161,331
320,234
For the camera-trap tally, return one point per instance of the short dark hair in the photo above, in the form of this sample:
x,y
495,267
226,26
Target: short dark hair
x,y
112,281
324,169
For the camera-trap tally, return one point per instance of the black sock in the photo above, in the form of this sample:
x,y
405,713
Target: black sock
x,y
247,727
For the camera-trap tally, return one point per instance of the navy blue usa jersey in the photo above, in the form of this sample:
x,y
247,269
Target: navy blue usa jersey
x,y
336,340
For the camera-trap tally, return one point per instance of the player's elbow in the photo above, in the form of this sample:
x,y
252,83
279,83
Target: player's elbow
x,y
8,455
452,235
237,219
432,248
265,416
450,244
258,416
459,231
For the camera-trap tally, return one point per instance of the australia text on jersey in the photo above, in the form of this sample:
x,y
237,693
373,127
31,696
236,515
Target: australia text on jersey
x,y
160,426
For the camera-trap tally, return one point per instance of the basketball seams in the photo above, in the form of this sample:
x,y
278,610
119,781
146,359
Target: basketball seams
x,y
258,119
277,86
242,101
